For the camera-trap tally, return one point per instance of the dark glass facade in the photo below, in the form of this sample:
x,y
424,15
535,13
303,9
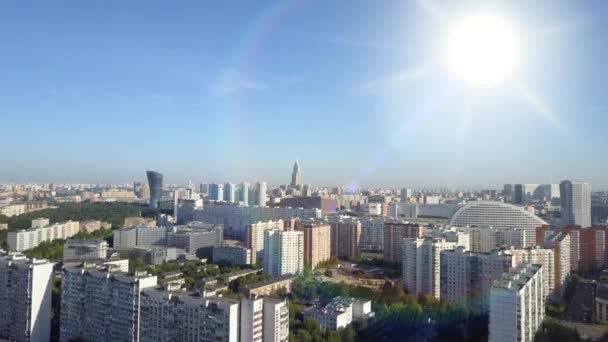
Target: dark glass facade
x,y
155,180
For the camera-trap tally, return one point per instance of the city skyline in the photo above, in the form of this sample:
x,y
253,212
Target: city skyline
x,y
363,99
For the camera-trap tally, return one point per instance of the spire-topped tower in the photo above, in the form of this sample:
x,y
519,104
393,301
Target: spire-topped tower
x,y
296,176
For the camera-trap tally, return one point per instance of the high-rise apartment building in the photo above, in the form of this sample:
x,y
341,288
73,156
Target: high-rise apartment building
x,y
517,305
466,278
283,252
244,193
216,192
576,203
252,319
487,239
372,233
541,256
394,233
560,244
99,304
405,195
317,241
25,299
230,192
296,175
261,194
168,316
345,237
254,237
421,262
155,182
276,320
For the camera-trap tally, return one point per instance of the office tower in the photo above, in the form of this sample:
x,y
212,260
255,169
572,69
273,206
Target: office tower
x,y
252,319
296,175
507,193
81,250
283,252
185,316
560,244
497,215
244,193
25,299
254,237
230,192
99,304
405,195
519,195
261,193
517,306
139,236
394,233
232,254
196,239
466,278
345,237
317,242
576,203
372,233
276,320
421,262
155,181
216,192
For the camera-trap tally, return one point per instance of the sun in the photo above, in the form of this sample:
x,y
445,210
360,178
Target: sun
x,y
482,49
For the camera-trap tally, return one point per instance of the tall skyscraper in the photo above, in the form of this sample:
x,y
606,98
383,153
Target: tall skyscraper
x,y
405,195
155,181
230,192
261,192
283,252
25,299
296,175
576,203
244,193
216,192
519,196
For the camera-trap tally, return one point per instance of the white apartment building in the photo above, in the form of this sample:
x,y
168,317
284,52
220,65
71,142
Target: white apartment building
x,y
517,305
540,256
283,252
372,233
254,236
140,235
276,320
421,262
236,217
99,304
487,239
25,299
76,250
22,240
340,312
168,316
560,243
198,239
252,320
467,278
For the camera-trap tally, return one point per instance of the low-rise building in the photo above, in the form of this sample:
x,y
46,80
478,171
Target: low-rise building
x,y
41,231
267,288
81,250
232,253
339,313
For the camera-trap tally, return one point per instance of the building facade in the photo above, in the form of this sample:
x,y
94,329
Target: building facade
x,y
345,237
394,233
155,183
576,203
421,264
283,252
317,242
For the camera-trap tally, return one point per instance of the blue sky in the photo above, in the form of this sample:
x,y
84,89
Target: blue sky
x,y
232,90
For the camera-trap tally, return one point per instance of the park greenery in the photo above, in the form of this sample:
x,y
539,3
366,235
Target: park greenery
x,y
113,212
53,250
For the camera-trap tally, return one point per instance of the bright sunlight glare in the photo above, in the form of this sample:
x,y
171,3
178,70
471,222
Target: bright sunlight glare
x,y
482,49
